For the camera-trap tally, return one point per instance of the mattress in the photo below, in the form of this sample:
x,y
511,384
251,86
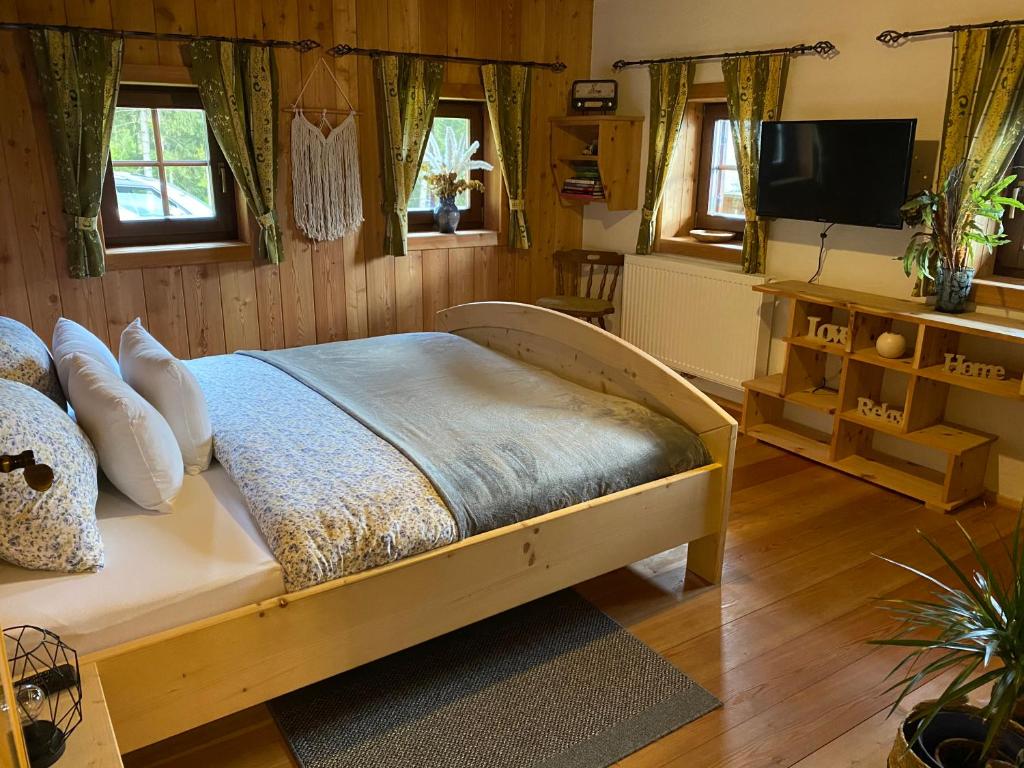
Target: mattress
x,y
162,570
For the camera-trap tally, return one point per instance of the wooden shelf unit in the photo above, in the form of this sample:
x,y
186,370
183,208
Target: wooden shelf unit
x,y
618,139
849,446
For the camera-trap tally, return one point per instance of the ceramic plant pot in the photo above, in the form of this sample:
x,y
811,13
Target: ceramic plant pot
x,y
446,216
952,290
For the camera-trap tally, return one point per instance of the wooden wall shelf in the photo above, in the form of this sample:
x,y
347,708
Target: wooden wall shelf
x,y
849,446
618,139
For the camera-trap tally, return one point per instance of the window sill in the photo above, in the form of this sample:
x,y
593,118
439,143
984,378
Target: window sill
x,y
998,291
177,255
731,252
470,238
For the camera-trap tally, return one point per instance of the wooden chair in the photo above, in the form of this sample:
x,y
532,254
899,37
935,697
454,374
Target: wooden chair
x,y
589,305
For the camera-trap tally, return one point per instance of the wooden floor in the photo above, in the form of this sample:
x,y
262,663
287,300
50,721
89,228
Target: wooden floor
x,y
781,642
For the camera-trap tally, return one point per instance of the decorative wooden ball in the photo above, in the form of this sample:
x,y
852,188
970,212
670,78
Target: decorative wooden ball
x,y
891,345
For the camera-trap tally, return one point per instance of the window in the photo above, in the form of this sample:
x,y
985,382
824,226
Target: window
x,y
702,186
466,118
167,181
1009,258
719,201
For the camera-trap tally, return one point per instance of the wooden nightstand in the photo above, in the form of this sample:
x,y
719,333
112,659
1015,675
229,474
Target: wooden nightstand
x,y
92,745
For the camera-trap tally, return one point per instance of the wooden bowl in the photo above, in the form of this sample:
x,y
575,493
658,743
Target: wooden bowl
x,y
711,235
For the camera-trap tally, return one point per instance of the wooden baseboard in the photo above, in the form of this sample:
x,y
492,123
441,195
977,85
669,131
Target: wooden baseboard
x,y
994,497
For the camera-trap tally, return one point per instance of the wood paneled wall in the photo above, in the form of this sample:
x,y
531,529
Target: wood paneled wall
x,y
321,292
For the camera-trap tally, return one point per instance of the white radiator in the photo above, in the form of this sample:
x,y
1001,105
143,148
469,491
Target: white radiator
x,y
697,317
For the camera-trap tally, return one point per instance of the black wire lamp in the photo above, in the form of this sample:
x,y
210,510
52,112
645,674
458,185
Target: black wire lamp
x,y
47,691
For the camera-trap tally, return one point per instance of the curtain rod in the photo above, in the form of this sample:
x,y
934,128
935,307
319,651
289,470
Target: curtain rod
x,y
346,50
823,48
893,38
299,45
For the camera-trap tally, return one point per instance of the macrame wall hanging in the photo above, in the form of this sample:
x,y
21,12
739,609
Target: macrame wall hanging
x,y
326,193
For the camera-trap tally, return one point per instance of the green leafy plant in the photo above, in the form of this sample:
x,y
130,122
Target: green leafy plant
x,y
974,626
952,224
448,163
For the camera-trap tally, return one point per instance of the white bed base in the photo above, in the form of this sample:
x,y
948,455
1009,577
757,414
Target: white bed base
x,y
167,683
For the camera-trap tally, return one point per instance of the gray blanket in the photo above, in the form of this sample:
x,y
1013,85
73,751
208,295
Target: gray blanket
x,y
500,440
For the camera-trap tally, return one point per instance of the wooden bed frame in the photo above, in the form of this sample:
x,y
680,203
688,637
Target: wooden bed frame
x,y
167,683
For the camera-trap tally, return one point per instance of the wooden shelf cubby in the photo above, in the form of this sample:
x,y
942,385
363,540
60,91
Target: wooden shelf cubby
x,y
618,139
916,383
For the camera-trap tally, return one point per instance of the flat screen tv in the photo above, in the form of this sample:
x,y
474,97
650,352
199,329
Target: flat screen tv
x,y
835,171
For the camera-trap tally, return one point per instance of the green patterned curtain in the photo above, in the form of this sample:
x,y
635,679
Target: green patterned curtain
x,y
754,86
984,120
407,92
238,86
79,73
670,86
507,89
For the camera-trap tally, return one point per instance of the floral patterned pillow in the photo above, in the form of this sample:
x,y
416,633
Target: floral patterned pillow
x,y
25,357
52,530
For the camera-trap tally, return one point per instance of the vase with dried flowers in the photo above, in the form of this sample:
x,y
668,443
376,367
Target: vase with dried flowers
x,y
447,166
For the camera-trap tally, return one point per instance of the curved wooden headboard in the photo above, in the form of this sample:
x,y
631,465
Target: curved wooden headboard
x,y
585,354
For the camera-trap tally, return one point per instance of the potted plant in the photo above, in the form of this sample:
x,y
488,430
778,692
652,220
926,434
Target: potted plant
x,y
448,165
953,232
973,630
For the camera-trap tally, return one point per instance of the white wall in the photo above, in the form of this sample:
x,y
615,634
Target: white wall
x,y
866,80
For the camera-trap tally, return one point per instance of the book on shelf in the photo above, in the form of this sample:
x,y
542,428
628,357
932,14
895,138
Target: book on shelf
x,y
585,184
577,194
581,196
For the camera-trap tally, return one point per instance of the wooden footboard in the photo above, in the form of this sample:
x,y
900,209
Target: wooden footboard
x,y
590,356
167,683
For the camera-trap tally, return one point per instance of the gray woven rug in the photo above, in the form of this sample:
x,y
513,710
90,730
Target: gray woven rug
x,y
554,683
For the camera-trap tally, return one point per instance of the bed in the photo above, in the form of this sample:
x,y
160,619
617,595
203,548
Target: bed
x,y
250,622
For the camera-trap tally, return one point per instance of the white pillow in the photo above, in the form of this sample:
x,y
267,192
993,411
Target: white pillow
x,y
136,447
24,357
55,529
172,389
70,338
